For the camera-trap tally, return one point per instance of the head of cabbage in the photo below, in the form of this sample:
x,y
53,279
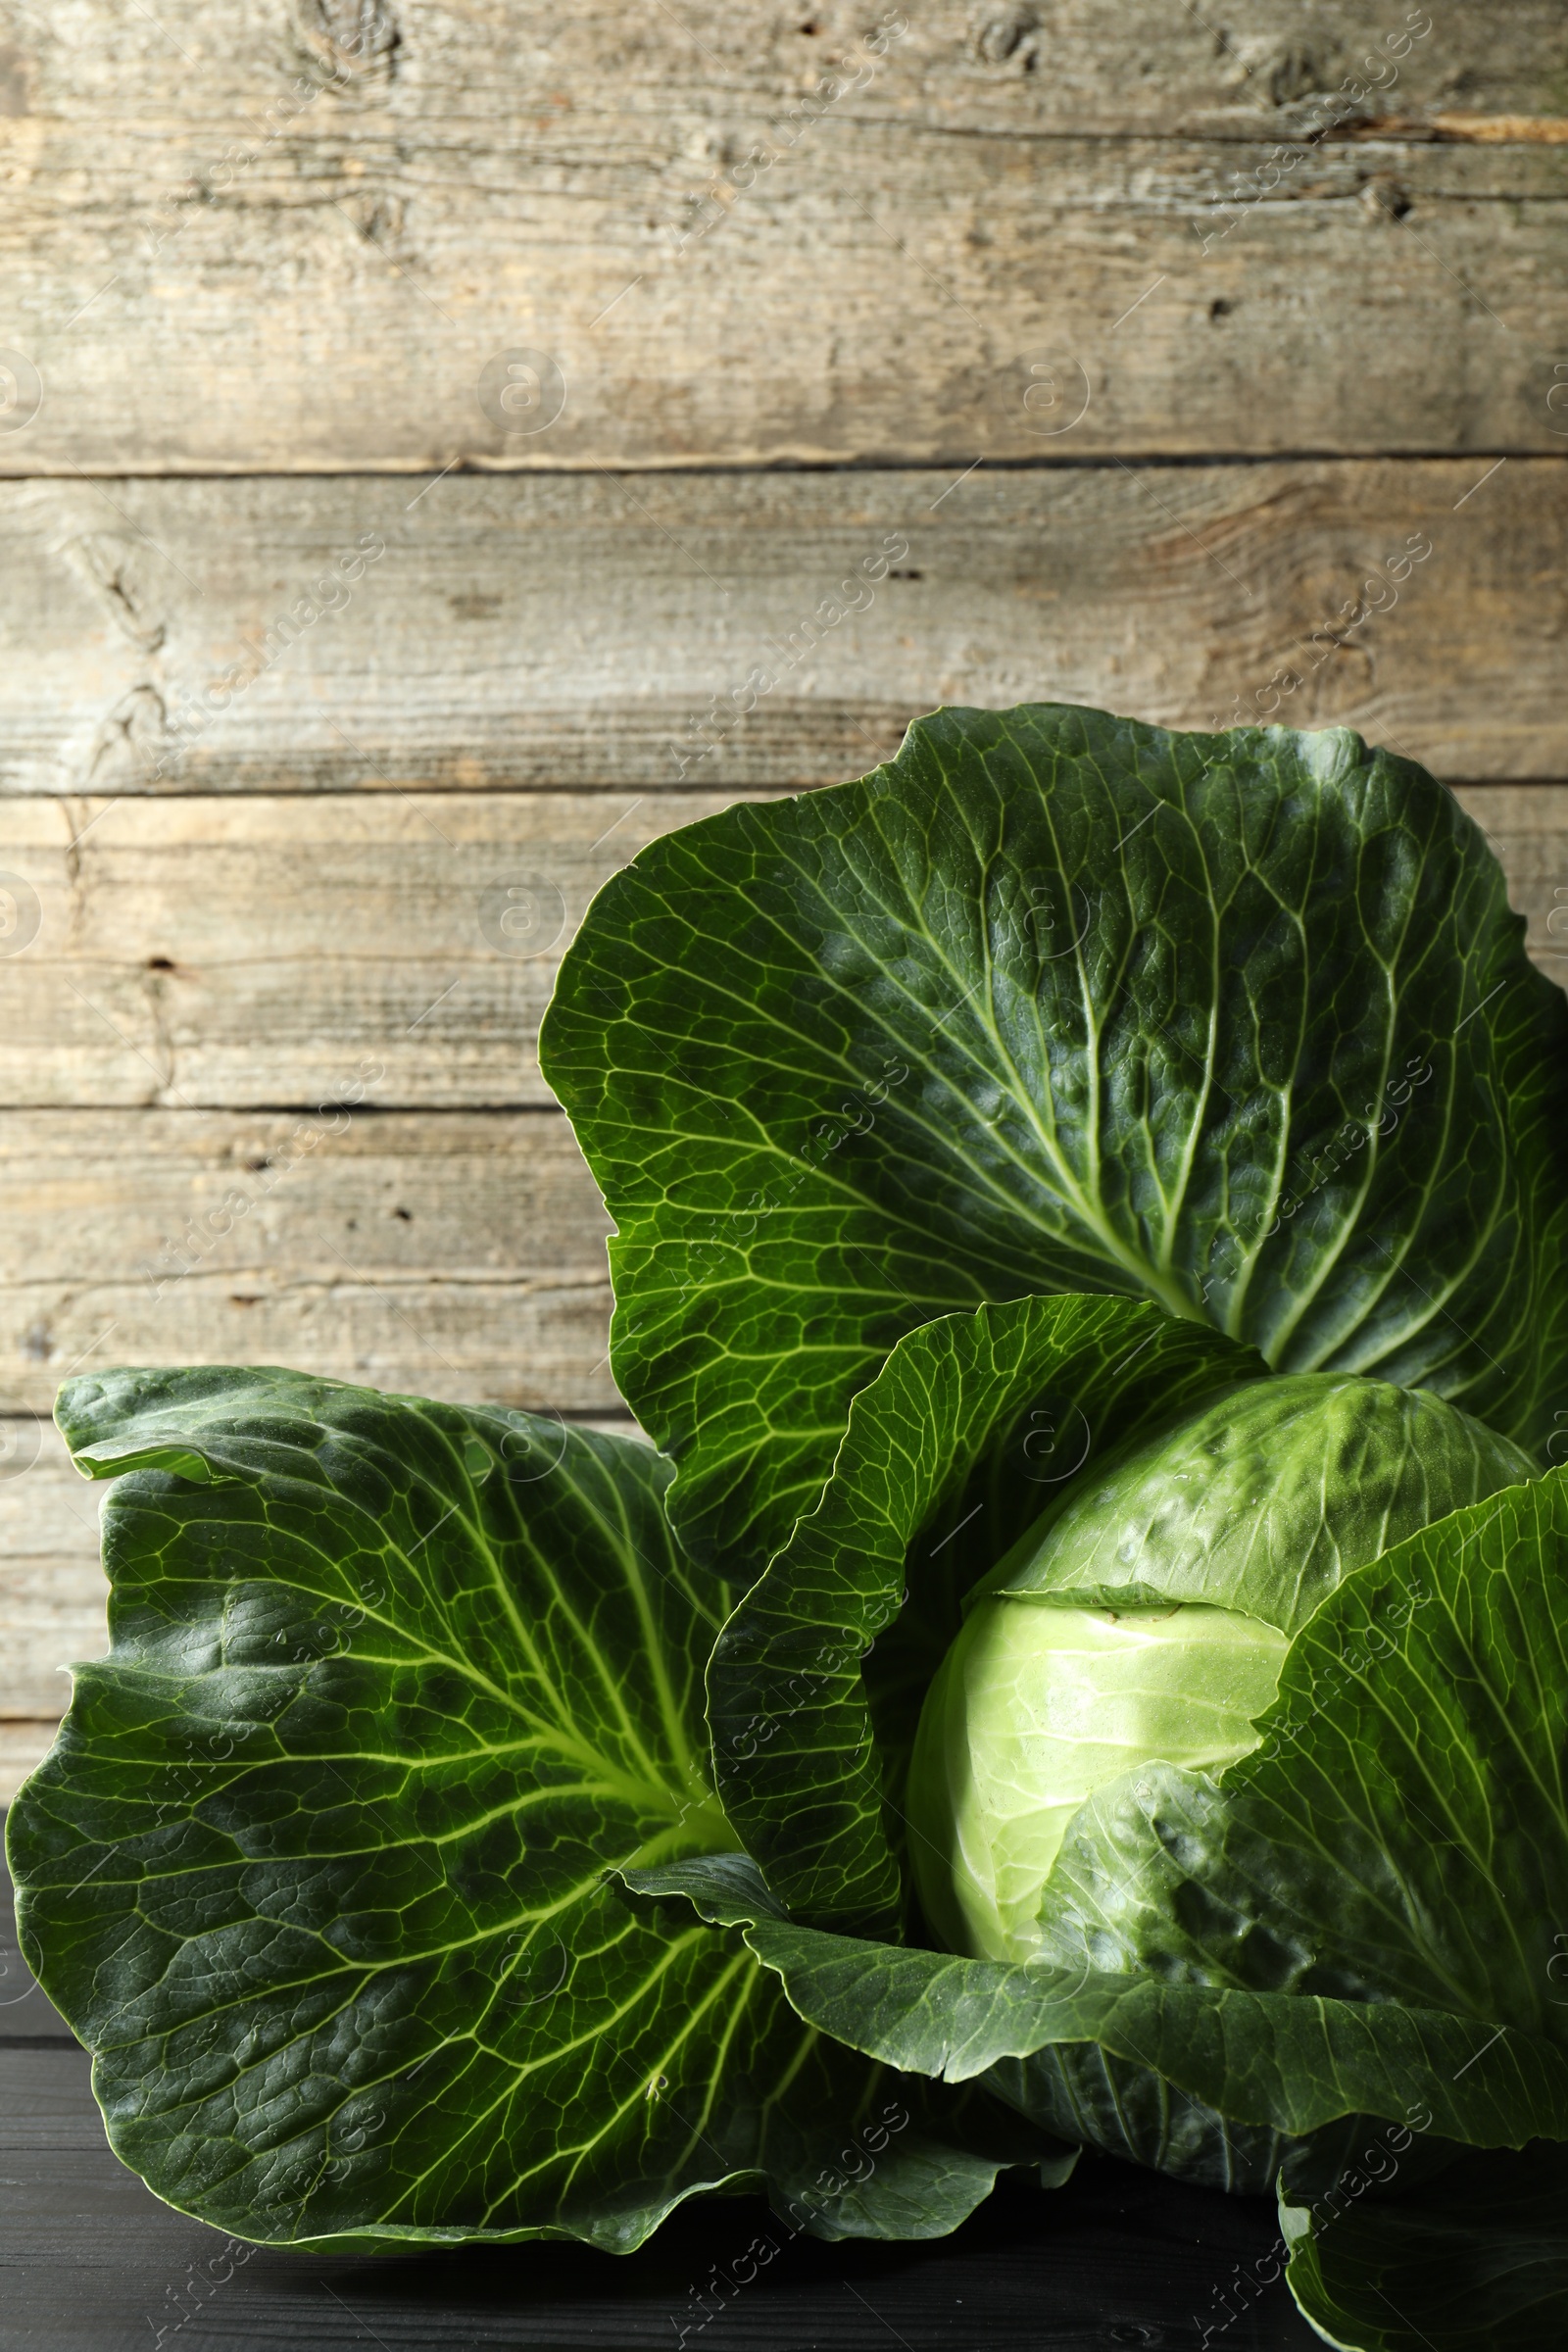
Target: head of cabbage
x,y
1145,1619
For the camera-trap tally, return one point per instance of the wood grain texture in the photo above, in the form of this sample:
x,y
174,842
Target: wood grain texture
x,y
52,1591
231,244
350,948
24,1743
681,630
384,948
1049,69
450,1255
459,1256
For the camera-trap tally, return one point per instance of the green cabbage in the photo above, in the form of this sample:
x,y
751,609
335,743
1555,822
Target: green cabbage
x,y
1204,1549
1087,1664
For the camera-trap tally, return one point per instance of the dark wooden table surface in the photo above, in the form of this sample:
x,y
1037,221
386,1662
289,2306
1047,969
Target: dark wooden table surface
x,y
93,2263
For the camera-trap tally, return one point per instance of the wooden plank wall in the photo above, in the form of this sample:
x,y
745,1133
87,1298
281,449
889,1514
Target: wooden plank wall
x,y
442,446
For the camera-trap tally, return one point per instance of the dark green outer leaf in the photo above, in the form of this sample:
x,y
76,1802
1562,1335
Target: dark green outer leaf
x,y
1058,1001
1475,2261
317,1865
1294,2061
972,1428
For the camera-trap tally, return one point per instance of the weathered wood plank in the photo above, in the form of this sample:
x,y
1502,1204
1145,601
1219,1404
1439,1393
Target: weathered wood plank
x,y
949,67
460,1255
22,1744
342,1242
1528,827
233,247
350,947
344,1239
383,948
52,1591
567,632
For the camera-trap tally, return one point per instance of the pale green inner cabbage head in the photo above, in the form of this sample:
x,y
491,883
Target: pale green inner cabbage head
x,y
1146,1615
1032,1710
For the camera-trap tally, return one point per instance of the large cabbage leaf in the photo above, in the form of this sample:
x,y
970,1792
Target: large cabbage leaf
x,y
318,1867
1239,1023
1293,2064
